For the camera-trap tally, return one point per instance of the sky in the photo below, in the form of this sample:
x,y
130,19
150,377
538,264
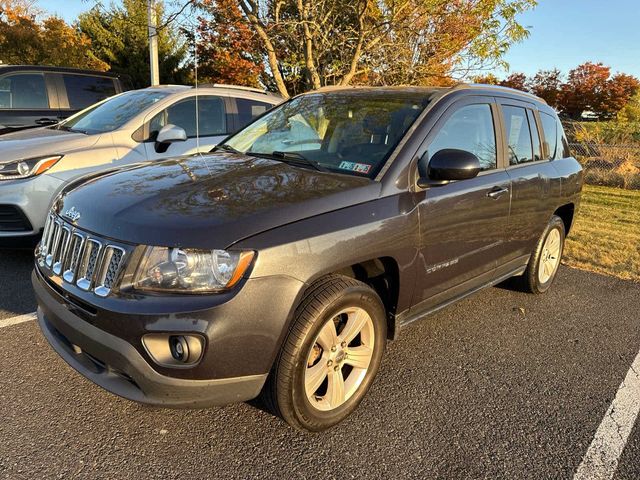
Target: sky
x,y
564,34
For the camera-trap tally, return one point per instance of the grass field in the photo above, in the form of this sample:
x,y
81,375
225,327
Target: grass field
x,y
606,235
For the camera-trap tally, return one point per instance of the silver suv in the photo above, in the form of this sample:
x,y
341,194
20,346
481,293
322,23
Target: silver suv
x,y
132,127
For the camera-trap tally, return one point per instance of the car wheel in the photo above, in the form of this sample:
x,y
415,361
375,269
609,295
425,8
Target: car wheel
x,y
545,259
330,356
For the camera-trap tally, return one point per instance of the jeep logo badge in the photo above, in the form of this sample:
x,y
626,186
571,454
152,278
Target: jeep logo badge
x,y
72,214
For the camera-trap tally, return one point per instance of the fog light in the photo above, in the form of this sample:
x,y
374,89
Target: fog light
x,y
174,350
179,348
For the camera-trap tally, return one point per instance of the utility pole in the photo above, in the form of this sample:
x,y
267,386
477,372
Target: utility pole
x,y
153,43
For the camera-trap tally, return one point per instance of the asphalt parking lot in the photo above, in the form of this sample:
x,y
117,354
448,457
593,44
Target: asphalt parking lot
x,y
501,385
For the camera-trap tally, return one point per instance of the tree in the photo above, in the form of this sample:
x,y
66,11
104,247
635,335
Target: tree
x,y
590,88
621,88
228,50
25,40
487,79
517,81
631,111
311,43
120,37
546,84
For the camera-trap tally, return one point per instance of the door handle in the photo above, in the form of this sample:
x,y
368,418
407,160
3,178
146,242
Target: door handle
x,y
497,192
46,121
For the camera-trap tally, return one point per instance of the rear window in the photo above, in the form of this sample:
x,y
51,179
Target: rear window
x,y
83,90
23,91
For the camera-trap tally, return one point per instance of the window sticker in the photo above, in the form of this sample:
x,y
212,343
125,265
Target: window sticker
x,y
355,167
516,127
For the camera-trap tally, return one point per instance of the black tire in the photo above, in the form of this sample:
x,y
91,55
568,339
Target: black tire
x,y
284,392
530,280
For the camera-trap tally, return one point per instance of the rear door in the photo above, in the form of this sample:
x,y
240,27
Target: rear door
x,y
204,131
530,173
27,99
463,224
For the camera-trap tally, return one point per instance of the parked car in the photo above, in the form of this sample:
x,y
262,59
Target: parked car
x,y
282,263
135,126
34,96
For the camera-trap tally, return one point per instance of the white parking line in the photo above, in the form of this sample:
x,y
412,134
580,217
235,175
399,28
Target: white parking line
x,y
27,317
603,455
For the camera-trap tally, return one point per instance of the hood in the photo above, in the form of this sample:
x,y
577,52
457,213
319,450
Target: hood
x,y
208,201
37,142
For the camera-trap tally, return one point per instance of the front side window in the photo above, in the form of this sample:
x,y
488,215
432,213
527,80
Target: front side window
x,y
346,132
83,90
23,91
211,117
471,129
113,113
550,134
518,135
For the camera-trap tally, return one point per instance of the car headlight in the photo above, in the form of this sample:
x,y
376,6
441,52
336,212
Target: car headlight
x,y
189,270
27,168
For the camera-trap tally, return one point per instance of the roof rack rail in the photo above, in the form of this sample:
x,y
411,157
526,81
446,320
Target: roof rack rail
x,y
233,87
499,88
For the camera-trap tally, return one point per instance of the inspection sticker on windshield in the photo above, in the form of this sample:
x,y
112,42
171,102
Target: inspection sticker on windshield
x,y
355,167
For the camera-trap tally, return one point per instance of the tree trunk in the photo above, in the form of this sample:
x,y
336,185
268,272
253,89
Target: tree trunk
x,y
271,51
308,47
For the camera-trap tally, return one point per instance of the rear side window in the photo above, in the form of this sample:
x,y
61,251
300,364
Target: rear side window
x,y
550,134
83,90
518,135
564,151
249,109
23,90
211,117
470,128
535,136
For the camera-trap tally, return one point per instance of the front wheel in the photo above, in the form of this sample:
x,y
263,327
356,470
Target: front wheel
x,y
331,355
545,259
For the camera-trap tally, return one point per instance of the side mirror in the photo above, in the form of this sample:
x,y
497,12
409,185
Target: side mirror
x,y
447,165
167,135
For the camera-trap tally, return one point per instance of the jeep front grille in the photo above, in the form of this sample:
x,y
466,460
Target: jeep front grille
x,y
79,258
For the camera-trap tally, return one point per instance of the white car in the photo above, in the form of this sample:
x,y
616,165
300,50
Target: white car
x,y
131,127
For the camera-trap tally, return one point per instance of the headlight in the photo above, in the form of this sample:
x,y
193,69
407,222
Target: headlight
x,y
189,270
27,168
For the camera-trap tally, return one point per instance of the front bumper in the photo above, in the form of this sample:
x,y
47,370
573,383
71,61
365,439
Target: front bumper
x,y
32,196
114,364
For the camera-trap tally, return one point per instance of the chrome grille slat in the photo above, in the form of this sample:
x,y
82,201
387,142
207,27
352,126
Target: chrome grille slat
x,y
73,259
62,251
90,257
55,235
111,263
79,258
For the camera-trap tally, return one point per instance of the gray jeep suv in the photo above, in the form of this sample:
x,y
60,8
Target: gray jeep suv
x,y
281,263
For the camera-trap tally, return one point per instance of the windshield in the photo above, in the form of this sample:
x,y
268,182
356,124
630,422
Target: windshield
x,y
346,132
113,113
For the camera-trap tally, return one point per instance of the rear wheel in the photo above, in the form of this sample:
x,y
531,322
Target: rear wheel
x,y
331,355
545,259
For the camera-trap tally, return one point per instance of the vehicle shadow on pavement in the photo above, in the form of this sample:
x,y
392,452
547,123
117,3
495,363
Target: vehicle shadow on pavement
x,y
16,294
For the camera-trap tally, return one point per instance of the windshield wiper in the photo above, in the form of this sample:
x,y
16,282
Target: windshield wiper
x,y
295,157
226,148
69,129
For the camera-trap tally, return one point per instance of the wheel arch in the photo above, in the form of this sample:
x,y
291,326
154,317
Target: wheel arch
x,y
380,273
566,213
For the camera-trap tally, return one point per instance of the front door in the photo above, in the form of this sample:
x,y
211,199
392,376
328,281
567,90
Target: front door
x,y
463,223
